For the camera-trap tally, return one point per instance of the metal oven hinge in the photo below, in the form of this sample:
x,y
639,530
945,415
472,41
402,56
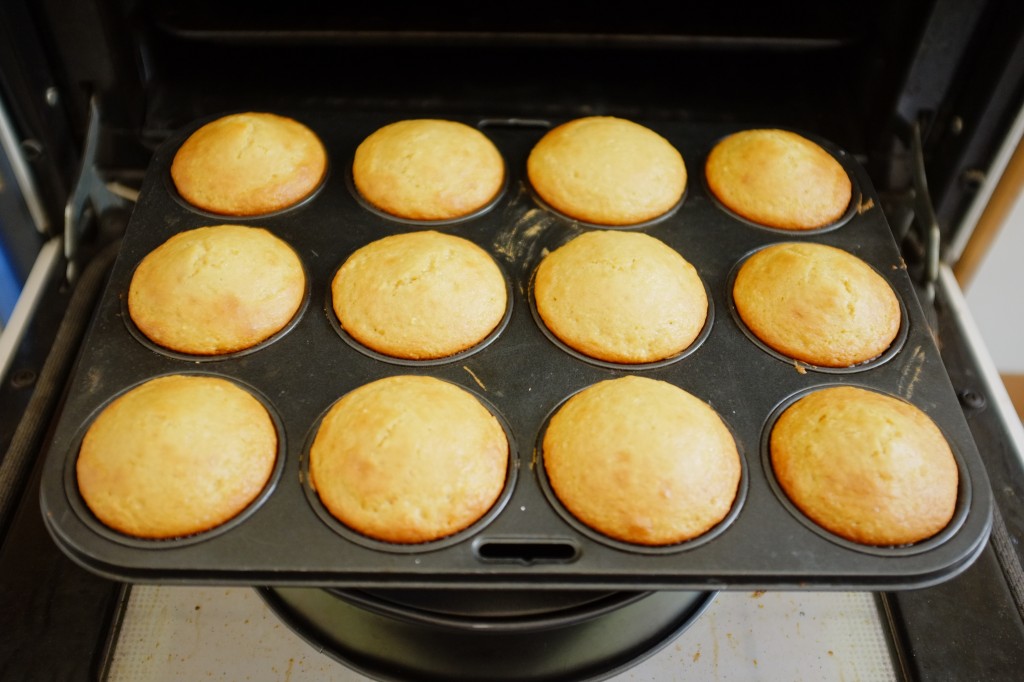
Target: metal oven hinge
x,y
89,197
924,216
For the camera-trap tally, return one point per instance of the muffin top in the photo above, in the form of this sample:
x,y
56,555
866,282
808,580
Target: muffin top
x,y
817,304
621,297
419,295
215,290
868,467
778,179
249,164
175,456
428,169
408,459
607,171
642,461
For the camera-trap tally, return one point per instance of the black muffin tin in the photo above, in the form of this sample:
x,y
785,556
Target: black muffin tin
x,y
527,541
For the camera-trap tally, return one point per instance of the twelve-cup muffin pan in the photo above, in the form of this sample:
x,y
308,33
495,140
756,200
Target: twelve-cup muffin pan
x,y
522,374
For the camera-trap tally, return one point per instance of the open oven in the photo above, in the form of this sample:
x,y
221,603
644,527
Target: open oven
x,y
922,101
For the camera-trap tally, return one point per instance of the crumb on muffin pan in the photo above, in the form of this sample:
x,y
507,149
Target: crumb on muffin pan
x,y
540,341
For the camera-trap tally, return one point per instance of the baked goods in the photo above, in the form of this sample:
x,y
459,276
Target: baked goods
x,y
621,297
175,456
215,290
817,304
868,467
607,171
778,179
428,169
641,461
408,459
249,164
419,295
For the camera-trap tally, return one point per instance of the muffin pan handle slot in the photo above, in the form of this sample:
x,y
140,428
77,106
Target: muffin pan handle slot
x,y
527,551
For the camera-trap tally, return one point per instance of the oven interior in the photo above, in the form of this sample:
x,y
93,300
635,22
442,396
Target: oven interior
x,y
922,93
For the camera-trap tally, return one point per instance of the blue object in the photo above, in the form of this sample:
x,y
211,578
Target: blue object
x,y
10,283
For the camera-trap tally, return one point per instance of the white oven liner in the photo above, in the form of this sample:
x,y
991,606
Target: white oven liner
x,y
228,633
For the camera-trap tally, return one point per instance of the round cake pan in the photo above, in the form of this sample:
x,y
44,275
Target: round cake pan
x,y
580,638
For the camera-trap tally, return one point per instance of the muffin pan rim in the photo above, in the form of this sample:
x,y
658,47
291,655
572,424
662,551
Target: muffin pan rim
x,y
664,549
152,345
380,356
960,510
467,534
894,348
186,131
85,515
642,225
698,341
840,155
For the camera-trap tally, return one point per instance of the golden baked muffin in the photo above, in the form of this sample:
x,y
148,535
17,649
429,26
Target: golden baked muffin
x,y
249,164
607,171
175,456
817,304
419,295
428,169
621,297
408,459
642,461
868,467
216,290
778,179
